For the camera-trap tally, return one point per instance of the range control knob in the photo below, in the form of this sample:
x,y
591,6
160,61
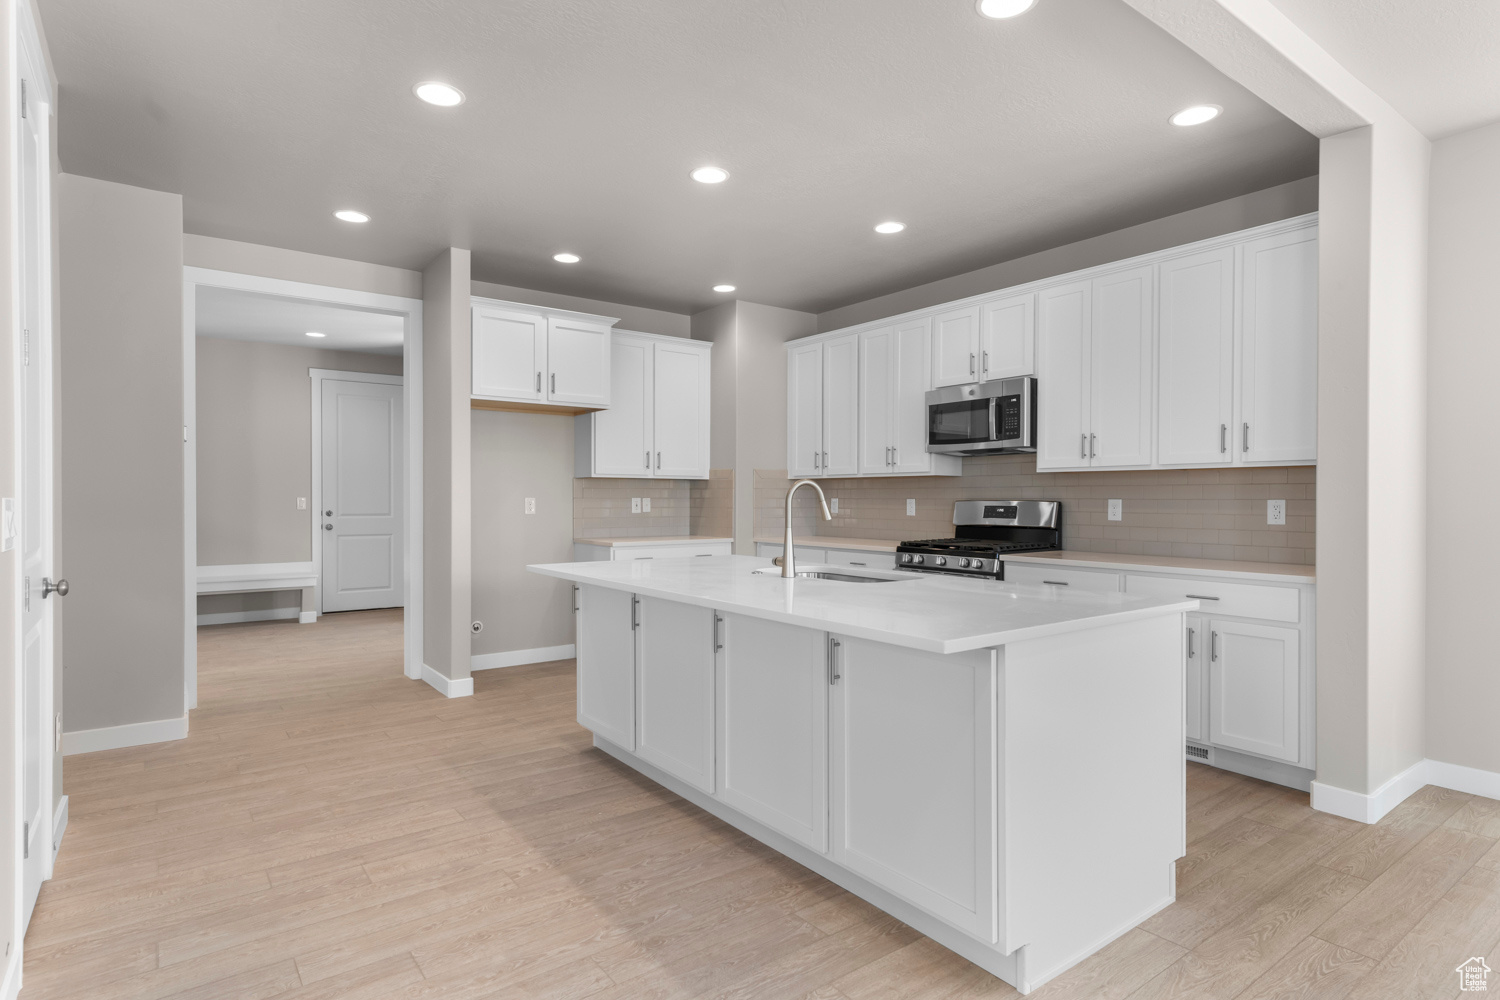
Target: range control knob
x,y
940,560
964,563
918,559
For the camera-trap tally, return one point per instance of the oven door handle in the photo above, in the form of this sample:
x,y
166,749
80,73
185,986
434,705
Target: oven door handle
x,y
994,418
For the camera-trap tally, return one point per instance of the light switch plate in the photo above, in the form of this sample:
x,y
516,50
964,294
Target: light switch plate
x,y
302,503
833,506
531,505
635,505
911,508
1117,510
1276,512
645,505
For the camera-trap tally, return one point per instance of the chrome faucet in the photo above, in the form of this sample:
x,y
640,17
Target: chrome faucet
x,y
788,570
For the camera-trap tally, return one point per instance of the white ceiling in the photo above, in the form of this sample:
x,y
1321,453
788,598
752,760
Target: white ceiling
x,y
230,314
1437,62
991,139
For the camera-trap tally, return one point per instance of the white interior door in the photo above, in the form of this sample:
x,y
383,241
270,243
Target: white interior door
x,y
34,513
362,493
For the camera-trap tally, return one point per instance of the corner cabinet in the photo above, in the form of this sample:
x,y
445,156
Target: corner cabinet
x,y
657,425
539,359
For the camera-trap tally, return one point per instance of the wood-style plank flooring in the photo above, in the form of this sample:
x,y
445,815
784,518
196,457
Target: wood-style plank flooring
x,y
332,830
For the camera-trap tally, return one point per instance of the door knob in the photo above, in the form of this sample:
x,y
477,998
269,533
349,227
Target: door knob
x,y
328,513
327,527
60,588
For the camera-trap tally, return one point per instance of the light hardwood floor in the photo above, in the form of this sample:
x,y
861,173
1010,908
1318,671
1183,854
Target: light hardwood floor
x,y
332,830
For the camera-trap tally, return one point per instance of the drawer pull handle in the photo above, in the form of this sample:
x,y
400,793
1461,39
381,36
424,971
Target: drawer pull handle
x,y
853,563
1056,583
700,555
1201,597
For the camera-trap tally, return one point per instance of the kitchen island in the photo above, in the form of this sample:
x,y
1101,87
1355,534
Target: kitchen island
x,y
999,766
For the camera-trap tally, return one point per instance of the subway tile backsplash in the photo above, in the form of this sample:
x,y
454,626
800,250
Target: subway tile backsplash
x,y
601,507
1192,513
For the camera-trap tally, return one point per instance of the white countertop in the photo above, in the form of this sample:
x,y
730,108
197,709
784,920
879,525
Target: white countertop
x,y
652,540
938,614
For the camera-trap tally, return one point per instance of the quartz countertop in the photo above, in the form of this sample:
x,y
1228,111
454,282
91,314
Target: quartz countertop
x,y
653,540
930,612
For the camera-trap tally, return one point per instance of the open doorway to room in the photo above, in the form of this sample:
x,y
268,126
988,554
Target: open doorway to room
x,y
303,486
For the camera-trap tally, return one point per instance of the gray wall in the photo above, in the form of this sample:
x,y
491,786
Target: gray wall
x,y
1257,208
445,460
515,456
255,446
638,318
294,265
120,351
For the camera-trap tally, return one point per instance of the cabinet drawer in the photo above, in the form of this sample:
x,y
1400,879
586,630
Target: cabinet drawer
x,y
630,552
1241,600
804,554
862,557
1072,579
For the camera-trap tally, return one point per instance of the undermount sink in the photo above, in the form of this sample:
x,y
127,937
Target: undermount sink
x,y
838,574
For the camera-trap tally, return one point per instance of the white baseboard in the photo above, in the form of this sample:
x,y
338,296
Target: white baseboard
x,y
521,657
448,687
133,735
307,618
235,617
10,988
1372,807
59,826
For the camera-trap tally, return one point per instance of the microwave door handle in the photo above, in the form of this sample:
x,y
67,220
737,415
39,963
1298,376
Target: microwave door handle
x,y
994,418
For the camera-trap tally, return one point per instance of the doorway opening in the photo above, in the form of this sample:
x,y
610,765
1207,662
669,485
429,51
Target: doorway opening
x,y
303,484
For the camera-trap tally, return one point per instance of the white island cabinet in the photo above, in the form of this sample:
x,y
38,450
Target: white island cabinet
x,y
998,765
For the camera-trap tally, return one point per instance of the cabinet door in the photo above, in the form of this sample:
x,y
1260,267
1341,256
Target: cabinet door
x,y
509,353
680,394
909,384
578,362
1279,349
841,407
1194,678
1195,384
955,347
1063,376
772,697
675,690
877,398
804,425
622,433
1254,684
606,664
913,776
1120,363
1008,342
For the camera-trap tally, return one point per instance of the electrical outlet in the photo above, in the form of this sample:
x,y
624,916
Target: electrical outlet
x,y
635,505
833,506
1276,512
911,508
302,503
531,505
1117,510
645,505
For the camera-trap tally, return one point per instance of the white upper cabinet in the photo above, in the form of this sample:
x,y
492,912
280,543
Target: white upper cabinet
x,y
955,346
1063,346
1279,349
1008,337
509,353
910,381
1195,345
658,423
804,425
542,357
877,417
1121,358
841,407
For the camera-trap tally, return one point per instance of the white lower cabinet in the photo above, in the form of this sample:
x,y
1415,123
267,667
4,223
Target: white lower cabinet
x,y
1071,580
1254,683
772,723
1194,679
675,690
913,776
606,663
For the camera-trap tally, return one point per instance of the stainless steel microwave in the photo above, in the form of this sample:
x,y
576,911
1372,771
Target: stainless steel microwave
x,y
983,418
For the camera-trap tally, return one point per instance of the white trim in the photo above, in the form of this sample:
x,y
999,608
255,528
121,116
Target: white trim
x,y
480,300
521,657
1464,779
134,734
446,686
11,988
307,618
239,617
249,577
59,827
316,378
411,310
1372,807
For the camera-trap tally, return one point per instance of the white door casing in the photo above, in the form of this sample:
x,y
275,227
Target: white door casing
x,y
362,485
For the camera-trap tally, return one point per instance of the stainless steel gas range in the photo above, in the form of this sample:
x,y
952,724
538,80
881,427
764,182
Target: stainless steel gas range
x,y
984,531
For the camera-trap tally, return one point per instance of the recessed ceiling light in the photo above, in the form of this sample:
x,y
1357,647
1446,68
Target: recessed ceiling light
x,y
315,333
890,227
441,94
1004,8
1197,114
710,175
723,288
566,258
350,215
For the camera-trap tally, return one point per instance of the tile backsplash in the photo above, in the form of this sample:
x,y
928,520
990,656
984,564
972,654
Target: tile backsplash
x,y
1193,513
601,507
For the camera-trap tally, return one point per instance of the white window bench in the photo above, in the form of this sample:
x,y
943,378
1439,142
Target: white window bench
x,y
251,577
